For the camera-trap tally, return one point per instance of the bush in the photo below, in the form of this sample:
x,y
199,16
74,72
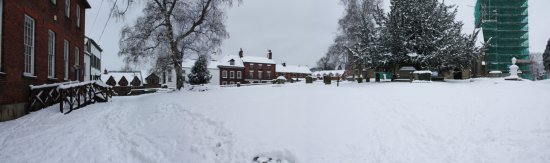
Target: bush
x,y
359,80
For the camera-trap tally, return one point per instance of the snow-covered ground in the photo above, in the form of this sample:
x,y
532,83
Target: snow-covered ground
x,y
486,120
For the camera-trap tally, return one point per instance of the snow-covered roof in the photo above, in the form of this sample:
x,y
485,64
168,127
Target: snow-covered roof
x,y
281,78
328,72
254,59
117,75
225,61
407,68
188,63
293,69
422,72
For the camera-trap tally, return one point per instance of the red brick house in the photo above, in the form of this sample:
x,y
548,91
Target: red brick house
x,y
293,71
42,41
231,70
258,69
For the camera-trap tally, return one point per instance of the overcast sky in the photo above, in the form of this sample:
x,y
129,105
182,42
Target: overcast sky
x,y
297,31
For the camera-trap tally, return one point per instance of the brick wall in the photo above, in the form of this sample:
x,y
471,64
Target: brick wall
x,y
228,79
14,87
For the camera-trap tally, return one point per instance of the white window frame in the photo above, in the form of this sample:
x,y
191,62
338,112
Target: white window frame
x,y
260,75
51,54
28,37
239,75
251,66
68,8
259,66
66,46
268,75
77,10
232,74
251,74
224,74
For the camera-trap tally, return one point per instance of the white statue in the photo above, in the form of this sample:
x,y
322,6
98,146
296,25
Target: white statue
x,y
513,71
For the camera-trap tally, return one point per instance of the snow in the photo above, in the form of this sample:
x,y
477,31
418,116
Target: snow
x,y
188,64
254,59
117,75
328,72
422,72
50,85
407,68
281,78
495,72
225,61
483,120
293,69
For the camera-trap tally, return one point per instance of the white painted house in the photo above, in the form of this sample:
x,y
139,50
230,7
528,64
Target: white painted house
x,y
92,60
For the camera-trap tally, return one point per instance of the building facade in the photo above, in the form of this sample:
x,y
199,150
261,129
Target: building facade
x,y
92,60
258,69
41,42
292,71
231,70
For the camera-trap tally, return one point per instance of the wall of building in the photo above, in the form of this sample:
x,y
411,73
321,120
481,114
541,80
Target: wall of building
x,y
228,79
14,86
256,71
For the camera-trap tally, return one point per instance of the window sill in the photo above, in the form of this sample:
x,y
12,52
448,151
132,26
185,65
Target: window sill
x,y
29,76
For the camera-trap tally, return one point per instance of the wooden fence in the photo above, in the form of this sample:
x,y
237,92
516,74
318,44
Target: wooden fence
x,y
74,94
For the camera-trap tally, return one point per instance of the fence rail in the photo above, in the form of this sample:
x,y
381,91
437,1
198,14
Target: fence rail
x,y
74,94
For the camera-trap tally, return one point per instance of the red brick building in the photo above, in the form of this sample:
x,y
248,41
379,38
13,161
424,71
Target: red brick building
x,y
42,41
231,70
258,69
293,71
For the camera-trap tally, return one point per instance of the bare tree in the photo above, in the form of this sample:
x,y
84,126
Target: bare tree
x,y
170,29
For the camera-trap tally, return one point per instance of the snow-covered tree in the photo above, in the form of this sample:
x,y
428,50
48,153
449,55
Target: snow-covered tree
x,y
424,33
356,40
546,57
169,29
199,72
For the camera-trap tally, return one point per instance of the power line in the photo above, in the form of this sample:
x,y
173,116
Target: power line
x,y
97,15
108,19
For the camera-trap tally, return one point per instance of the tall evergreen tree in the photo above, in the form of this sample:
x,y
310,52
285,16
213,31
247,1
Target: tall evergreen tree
x,y
199,71
424,33
546,57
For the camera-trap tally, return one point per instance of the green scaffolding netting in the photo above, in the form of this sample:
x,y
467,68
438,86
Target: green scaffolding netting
x,y
505,22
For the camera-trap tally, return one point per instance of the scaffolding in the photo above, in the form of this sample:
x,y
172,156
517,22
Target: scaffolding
x,y
505,23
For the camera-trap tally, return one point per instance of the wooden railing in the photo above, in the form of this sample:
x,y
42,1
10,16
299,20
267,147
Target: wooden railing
x,y
74,94
81,94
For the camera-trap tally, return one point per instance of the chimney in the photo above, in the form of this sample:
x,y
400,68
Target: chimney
x,y
269,55
105,71
284,64
241,53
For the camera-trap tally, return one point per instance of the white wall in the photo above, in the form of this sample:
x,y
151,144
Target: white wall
x,y
214,72
86,67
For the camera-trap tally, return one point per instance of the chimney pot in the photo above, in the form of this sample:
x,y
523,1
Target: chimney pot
x,y
269,54
241,53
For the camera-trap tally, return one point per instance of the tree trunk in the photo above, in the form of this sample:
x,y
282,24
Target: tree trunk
x,y
176,56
